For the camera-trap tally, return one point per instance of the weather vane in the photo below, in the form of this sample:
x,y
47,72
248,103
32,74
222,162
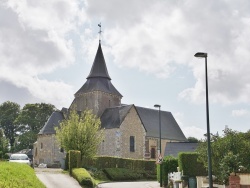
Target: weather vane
x,y
100,32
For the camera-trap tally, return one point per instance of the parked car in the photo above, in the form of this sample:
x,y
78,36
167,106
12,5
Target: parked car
x,y
20,158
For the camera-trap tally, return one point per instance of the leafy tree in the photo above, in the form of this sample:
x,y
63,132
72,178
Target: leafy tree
x,y
80,132
34,116
3,144
228,153
193,139
32,119
8,114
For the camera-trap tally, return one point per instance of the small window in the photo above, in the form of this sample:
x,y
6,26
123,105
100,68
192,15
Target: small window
x,y
41,145
132,144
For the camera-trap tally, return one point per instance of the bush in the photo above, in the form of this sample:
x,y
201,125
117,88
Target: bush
x,y
115,162
83,177
169,164
74,160
121,174
190,166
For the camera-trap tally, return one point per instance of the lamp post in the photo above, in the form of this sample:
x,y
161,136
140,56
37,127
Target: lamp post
x,y
204,55
159,149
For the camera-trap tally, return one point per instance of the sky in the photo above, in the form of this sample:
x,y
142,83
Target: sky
x,y
47,49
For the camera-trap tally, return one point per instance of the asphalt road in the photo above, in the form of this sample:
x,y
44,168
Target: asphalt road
x,y
144,184
54,178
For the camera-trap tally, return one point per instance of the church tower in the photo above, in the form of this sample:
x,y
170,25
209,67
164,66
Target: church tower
x,y
98,93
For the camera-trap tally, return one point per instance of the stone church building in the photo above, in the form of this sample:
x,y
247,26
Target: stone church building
x,y
130,131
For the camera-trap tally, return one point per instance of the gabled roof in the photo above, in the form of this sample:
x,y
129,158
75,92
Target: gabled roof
x,y
173,148
169,127
99,79
52,122
113,117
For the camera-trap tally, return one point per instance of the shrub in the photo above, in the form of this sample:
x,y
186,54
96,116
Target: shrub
x,y
169,164
74,160
83,177
121,174
190,166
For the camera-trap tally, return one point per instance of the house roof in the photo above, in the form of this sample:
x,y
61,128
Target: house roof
x,y
113,118
173,148
53,121
98,78
169,127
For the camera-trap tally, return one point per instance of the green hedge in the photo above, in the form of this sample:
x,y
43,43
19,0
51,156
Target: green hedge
x,y
190,166
83,177
169,164
122,174
115,162
74,160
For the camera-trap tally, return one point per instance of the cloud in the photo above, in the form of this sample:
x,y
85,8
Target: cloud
x,y
240,113
33,41
156,37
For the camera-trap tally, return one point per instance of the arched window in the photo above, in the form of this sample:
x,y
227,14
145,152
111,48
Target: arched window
x,y
132,144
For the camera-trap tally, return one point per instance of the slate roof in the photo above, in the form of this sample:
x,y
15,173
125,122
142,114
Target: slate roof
x,y
113,117
173,148
52,122
99,79
169,127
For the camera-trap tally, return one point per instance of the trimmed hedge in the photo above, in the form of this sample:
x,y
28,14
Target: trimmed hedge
x,y
74,160
190,166
122,174
115,162
83,177
169,164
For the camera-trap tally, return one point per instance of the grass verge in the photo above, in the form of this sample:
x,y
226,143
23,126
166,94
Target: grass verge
x,y
17,175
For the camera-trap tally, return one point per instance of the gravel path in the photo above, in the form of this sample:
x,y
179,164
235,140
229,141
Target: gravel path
x,y
54,178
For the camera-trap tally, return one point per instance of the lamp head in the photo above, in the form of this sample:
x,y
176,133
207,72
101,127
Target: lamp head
x,y
157,106
200,55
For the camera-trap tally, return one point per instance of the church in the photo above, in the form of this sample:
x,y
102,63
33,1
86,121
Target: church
x,y
130,131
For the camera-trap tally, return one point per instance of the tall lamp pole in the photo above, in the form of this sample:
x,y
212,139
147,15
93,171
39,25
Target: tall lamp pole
x,y
204,55
159,149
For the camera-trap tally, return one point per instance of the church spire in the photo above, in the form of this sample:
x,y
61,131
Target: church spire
x,y
99,68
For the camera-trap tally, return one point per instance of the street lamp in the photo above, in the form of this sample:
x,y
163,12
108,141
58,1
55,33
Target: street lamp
x,y
159,149
204,55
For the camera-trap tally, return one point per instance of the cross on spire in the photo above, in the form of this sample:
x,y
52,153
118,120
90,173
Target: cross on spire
x,y
100,32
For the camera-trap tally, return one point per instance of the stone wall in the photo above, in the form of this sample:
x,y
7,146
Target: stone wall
x,y
116,141
47,151
97,101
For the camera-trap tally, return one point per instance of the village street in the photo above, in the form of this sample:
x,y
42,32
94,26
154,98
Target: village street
x,y
54,178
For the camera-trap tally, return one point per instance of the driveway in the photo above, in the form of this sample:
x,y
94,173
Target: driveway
x,y
54,178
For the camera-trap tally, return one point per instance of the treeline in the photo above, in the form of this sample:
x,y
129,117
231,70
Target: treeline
x,y
19,127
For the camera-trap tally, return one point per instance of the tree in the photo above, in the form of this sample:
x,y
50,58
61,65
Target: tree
x,y
3,144
228,153
193,139
80,132
8,114
32,118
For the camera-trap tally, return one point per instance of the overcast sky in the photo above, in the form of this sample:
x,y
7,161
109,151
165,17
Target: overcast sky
x,y
47,49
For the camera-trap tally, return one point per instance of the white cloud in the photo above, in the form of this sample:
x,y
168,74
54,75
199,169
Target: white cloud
x,y
33,41
154,37
240,113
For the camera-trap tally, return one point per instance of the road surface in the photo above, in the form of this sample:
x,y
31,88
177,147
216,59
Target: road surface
x,y
144,184
54,178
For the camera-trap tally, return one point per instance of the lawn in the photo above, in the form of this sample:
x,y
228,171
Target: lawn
x,y
16,175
